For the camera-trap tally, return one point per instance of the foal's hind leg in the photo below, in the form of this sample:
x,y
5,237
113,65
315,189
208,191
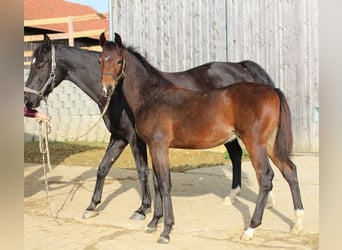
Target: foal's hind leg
x,y
264,174
235,154
289,172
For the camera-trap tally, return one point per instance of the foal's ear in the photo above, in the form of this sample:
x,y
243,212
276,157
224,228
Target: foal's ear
x,y
102,39
47,42
117,39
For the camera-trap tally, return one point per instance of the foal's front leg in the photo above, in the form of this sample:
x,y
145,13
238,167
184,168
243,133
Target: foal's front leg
x,y
139,151
161,167
158,206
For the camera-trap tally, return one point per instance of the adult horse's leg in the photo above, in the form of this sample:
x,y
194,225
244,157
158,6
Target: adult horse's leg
x,y
139,151
161,166
264,174
235,153
114,149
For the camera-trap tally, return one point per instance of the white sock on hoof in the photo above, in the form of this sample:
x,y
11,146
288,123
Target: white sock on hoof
x,y
229,200
298,226
248,234
270,200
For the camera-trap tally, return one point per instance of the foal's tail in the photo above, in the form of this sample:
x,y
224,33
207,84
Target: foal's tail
x,y
284,139
258,73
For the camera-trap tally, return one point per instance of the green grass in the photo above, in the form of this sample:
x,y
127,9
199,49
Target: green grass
x,y
91,154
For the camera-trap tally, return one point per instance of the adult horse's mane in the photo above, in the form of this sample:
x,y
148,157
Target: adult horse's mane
x,y
43,47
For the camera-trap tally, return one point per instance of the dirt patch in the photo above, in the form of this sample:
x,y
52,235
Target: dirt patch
x,y
202,222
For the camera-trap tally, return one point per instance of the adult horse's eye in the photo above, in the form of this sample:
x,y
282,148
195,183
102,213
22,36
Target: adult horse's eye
x,y
120,61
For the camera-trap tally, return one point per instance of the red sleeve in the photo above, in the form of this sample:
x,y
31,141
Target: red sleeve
x,y
29,112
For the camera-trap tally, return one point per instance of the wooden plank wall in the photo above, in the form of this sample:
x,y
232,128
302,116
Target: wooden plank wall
x,y
164,31
281,35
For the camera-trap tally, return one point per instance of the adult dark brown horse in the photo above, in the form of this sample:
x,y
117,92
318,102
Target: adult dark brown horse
x,y
53,63
167,116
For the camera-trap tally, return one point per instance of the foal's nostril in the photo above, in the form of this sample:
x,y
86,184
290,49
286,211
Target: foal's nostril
x,y
104,89
107,90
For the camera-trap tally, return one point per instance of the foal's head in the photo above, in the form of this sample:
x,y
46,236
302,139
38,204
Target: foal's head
x,y
112,63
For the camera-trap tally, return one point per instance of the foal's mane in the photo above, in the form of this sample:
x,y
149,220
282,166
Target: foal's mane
x,y
155,73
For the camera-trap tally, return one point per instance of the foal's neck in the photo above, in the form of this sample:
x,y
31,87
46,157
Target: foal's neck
x,y
139,85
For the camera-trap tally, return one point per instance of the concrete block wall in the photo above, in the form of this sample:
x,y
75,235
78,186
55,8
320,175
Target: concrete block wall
x,y
73,114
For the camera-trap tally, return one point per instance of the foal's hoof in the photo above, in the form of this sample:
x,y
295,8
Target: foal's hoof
x,y
89,214
150,229
163,240
137,216
247,235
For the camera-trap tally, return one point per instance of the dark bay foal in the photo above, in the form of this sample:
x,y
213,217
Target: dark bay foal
x,y
167,116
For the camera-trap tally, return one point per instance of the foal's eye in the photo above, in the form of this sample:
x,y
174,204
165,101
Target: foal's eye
x,y
120,61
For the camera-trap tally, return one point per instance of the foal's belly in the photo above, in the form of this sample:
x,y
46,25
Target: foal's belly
x,y
201,139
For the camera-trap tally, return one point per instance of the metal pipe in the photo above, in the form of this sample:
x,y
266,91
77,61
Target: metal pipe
x,y
110,7
227,30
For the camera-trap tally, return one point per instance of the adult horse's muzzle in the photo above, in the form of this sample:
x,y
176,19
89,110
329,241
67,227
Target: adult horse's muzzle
x,y
31,100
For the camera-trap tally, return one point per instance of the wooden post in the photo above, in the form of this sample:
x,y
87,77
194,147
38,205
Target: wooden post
x,y
70,31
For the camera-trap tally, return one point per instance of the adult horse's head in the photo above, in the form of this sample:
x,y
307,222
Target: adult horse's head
x,y
43,76
112,63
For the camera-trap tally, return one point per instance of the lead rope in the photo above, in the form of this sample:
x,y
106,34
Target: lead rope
x,y
44,131
96,123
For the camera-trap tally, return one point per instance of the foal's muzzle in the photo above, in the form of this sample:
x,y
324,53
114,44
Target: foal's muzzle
x,y
107,90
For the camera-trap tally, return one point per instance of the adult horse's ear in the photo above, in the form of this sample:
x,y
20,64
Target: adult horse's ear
x,y
47,41
102,39
117,39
